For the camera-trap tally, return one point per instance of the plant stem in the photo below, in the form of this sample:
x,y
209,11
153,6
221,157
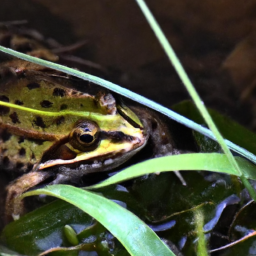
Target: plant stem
x,y
201,243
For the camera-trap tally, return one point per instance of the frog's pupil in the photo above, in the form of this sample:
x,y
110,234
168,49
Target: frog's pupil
x,y
86,138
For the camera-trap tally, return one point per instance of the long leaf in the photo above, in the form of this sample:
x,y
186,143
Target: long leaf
x,y
196,161
135,235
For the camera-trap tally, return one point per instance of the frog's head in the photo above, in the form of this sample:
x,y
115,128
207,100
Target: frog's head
x,y
55,122
100,142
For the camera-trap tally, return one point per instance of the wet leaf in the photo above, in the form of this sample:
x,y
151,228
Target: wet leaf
x,y
136,237
43,228
42,223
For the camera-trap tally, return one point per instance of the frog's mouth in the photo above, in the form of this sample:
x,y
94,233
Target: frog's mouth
x,y
107,155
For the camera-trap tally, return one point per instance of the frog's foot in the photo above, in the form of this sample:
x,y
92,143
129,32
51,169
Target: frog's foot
x,y
14,206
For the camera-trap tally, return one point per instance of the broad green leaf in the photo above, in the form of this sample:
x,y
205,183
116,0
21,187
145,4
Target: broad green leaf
x,y
43,228
134,234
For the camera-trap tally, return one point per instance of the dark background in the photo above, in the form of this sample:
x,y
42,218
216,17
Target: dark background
x,y
203,33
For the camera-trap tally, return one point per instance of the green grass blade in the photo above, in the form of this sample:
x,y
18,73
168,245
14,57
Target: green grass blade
x,y
129,94
186,81
185,162
134,234
190,88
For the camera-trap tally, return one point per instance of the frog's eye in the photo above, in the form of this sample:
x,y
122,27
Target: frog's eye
x,y
84,135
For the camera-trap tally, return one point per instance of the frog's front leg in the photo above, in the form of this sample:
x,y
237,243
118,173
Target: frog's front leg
x,y
160,139
14,206
163,143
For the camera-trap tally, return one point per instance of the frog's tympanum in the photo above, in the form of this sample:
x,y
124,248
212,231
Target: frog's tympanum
x,y
61,127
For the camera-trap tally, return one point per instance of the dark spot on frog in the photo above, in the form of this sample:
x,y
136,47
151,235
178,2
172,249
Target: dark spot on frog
x,y
14,117
29,167
74,92
4,110
59,120
19,165
39,122
4,98
32,86
81,105
5,135
18,102
6,161
59,92
63,106
33,156
22,152
46,104
21,139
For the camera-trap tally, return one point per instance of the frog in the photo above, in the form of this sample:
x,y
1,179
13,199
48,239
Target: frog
x,y
53,126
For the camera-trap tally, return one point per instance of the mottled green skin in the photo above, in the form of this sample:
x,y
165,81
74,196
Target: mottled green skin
x,y
54,105
45,95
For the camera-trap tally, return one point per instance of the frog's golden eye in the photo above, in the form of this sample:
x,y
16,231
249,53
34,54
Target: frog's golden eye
x,y
84,135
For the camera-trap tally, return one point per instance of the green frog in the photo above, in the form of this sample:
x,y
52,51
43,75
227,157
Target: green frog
x,y
59,127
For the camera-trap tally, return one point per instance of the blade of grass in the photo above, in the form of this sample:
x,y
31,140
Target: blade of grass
x,y
131,95
193,93
214,162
